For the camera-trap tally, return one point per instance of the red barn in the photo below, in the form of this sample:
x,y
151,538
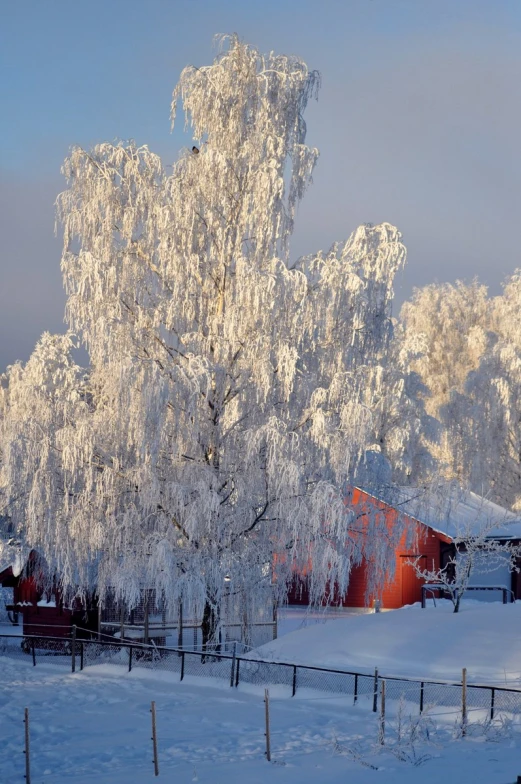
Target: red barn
x,y
429,522
43,615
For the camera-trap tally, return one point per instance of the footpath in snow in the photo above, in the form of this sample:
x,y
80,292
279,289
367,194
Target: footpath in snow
x,y
433,642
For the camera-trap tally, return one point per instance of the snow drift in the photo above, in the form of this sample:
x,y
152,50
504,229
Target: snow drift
x,y
435,642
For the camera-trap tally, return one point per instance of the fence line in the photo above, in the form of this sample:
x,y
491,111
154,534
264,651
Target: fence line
x,y
235,669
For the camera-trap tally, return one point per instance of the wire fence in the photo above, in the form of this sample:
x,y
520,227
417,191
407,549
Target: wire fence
x,y
150,619
75,653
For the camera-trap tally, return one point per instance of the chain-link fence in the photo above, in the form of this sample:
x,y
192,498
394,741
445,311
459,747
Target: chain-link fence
x,y
152,620
76,653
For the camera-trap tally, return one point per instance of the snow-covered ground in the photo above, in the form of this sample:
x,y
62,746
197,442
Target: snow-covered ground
x,y
294,618
94,726
483,637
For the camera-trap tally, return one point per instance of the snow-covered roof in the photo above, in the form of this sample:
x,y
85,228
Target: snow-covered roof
x,y
452,511
10,549
11,555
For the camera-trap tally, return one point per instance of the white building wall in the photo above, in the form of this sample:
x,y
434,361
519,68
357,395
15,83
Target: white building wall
x,y
499,576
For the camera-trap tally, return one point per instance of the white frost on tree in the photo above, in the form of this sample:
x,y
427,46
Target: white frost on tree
x,y
404,434
484,424
445,329
229,396
469,359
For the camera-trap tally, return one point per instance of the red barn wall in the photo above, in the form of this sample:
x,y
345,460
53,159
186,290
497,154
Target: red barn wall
x,y
403,587
37,620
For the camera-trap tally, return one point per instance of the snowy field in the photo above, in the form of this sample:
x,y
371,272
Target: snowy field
x,y
95,727
483,637
294,618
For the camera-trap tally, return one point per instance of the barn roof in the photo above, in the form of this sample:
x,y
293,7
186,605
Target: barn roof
x,y
11,555
450,510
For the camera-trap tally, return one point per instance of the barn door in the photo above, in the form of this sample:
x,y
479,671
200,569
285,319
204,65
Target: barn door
x,y
411,584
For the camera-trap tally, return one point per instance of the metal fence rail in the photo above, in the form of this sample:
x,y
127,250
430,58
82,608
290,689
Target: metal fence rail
x,y
77,653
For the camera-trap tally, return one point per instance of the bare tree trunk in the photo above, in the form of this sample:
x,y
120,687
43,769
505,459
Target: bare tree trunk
x,y
458,596
209,626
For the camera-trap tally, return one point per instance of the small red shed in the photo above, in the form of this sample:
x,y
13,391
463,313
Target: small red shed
x,y
43,614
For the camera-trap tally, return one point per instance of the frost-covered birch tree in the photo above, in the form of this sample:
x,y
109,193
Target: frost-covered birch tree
x,y
446,332
226,404
404,434
484,424
469,359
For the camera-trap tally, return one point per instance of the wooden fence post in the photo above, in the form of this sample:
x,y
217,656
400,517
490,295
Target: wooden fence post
x,y
154,737
27,748
267,717
33,652
130,658
464,701
381,736
73,648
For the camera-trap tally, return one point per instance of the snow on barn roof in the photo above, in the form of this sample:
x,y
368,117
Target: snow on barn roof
x,y
11,556
452,511
10,549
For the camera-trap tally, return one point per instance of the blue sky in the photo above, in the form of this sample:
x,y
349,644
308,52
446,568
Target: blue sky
x,y
417,122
